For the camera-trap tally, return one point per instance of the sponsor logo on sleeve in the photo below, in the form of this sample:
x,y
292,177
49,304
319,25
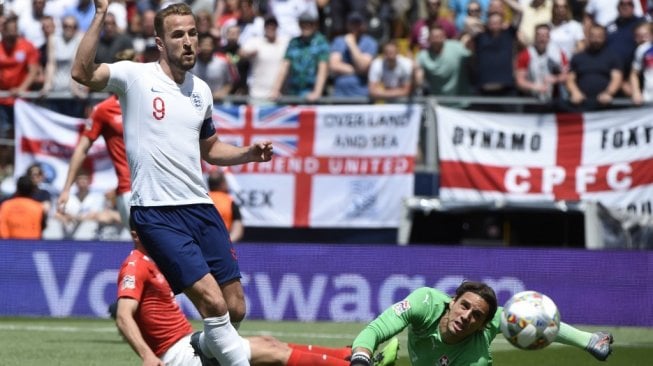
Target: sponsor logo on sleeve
x,y
401,307
128,283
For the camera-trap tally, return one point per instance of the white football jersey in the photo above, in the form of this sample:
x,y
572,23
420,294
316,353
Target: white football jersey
x,y
162,122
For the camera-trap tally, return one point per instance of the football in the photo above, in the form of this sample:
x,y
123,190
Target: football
x,y
530,320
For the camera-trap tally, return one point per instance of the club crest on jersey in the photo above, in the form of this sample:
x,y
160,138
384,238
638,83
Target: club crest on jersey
x,y
444,361
401,307
128,282
196,100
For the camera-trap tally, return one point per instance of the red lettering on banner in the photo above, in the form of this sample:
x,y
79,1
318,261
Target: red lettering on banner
x,y
332,165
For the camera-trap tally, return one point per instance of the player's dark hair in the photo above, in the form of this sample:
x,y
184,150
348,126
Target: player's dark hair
x,y
174,9
484,291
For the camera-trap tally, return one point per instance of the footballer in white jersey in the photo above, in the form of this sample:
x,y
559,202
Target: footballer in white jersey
x,y
168,132
162,124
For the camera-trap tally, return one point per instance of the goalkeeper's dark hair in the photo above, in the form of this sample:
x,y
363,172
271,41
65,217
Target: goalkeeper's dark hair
x,y
484,291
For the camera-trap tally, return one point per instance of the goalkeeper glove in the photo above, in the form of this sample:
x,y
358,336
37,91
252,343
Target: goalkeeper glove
x,y
360,359
600,345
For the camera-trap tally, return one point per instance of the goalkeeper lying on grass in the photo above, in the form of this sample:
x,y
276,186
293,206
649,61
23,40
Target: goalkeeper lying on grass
x,y
454,332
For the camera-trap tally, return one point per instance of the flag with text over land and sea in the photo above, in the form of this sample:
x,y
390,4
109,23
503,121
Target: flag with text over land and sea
x,y
334,166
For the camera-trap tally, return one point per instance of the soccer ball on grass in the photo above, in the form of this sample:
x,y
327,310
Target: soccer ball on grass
x,y
530,320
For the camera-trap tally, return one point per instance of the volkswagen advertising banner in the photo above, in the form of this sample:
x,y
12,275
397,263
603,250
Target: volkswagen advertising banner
x,y
339,283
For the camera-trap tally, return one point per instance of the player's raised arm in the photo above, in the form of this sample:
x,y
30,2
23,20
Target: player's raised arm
x,y
85,71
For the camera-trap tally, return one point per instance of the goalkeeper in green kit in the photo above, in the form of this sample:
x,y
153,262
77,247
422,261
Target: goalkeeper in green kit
x,y
445,331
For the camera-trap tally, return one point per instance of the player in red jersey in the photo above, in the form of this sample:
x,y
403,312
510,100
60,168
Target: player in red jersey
x,y
105,121
156,328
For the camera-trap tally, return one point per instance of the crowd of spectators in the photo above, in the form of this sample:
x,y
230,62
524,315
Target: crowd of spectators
x,y
572,55
381,49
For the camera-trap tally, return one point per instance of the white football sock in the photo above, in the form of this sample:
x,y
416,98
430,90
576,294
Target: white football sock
x,y
222,341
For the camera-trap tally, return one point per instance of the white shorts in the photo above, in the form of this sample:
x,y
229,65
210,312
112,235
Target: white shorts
x,y
181,354
122,205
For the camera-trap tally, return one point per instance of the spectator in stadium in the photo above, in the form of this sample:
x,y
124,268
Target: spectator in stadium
x,y
37,175
29,23
21,216
205,24
61,51
165,144
473,23
225,204
621,39
289,14
119,10
266,56
141,32
350,58
249,22
391,75
460,10
305,64
566,32
541,69
83,12
455,331
45,74
419,33
595,74
79,218
493,58
214,68
230,48
111,41
533,13
338,12
106,121
157,330
230,11
19,67
604,12
441,69
642,67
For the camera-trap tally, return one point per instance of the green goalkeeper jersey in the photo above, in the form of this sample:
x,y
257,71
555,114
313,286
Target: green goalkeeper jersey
x,y
421,312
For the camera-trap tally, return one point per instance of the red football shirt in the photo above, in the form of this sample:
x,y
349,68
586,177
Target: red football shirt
x,y
106,120
159,317
14,65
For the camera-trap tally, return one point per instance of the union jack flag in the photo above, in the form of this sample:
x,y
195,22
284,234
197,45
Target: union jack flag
x,y
242,125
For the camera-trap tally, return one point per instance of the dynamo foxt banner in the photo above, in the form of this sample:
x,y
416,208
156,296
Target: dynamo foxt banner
x,y
601,157
341,282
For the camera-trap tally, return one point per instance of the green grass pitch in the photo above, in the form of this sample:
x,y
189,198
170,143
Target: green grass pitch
x,y
89,342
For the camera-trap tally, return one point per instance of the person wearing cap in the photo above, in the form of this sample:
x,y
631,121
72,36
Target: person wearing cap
x,y
266,56
351,56
305,66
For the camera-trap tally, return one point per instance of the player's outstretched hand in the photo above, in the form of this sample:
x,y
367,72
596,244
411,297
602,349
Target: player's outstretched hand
x,y
261,151
600,345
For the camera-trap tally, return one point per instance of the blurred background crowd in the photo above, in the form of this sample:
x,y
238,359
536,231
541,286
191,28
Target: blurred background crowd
x,y
572,55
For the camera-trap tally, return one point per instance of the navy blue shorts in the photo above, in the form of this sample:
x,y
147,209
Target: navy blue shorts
x,y
186,243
